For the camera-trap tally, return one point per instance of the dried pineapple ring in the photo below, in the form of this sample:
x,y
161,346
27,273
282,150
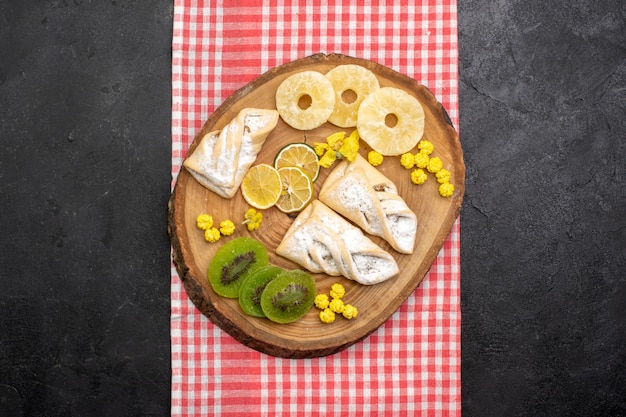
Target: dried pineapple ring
x,y
391,121
352,83
293,96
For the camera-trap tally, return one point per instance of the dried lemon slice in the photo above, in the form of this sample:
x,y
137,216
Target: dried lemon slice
x,y
391,121
352,83
297,190
299,155
305,99
261,186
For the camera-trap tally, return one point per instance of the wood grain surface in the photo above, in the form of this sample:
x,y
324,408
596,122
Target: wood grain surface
x,y
309,337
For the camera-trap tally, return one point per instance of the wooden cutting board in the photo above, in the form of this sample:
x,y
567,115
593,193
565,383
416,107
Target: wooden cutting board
x,y
309,337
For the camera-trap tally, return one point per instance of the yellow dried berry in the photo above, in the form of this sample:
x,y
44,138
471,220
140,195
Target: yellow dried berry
x,y
321,301
350,311
418,176
446,189
337,291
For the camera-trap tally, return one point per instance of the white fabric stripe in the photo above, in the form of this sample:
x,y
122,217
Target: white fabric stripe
x,y
410,41
308,27
380,367
308,387
292,369
264,386
352,9
265,39
353,377
395,363
410,365
365,364
324,28
338,26
425,34
294,40
176,350
219,44
382,26
336,378
323,389
395,37
367,32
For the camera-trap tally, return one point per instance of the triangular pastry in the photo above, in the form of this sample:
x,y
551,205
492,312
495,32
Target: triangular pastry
x,y
222,158
320,240
362,194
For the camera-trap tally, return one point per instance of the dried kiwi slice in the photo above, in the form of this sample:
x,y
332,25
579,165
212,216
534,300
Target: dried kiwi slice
x,y
289,296
252,288
233,263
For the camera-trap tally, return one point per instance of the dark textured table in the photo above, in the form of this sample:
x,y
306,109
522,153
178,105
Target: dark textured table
x,y
85,175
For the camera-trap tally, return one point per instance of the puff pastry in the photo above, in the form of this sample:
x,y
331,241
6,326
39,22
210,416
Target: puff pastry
x,y
362,194
223,157
320,240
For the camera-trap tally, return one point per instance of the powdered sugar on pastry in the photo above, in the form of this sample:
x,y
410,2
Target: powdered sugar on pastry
x,y
222,158
322,241
362,194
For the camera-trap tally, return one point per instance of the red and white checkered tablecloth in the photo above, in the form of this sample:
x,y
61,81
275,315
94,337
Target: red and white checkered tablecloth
x,y
411,365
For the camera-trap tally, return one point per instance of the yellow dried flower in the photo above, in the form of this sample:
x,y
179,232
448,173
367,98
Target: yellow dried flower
x,y
250,213
227,227
212,234
336,305
425,147
443,176
434,165
320,148
350,147
418,176
446,189
337,291
407,160
335,141
421,160
204,221
327,316
328,159
337,146
374,158
350,311
252,219
321,301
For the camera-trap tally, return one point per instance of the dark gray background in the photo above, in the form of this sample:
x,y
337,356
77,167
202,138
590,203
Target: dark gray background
x,y
85,174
